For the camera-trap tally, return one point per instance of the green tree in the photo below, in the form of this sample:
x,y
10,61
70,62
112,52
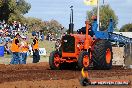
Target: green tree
x,y
34,24
14,11
4,10
116,30
106,13
11,10
52,26
126,28
23,7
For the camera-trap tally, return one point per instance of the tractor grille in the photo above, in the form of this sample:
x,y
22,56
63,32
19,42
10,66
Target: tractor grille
x,y
68,44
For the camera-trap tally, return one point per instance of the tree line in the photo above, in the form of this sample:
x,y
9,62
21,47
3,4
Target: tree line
x,y
106,13
14,10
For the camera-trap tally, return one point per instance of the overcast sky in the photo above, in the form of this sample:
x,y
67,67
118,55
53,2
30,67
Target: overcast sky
x,y
59,10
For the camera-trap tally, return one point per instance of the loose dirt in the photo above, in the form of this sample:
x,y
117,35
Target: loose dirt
x,y
40,76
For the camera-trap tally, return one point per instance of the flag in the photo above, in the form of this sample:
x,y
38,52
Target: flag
x,y
90,2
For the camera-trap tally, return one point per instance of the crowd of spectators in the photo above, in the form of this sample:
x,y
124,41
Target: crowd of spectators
x,y
8,32
40,35
50,37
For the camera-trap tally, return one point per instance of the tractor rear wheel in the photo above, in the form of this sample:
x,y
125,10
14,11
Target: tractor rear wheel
x,y
102,55
83,60
54,60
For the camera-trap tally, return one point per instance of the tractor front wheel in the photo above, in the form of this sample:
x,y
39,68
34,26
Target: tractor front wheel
x,y
54,60
83,60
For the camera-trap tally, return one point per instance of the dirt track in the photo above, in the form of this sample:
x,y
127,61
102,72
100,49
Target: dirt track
x,y
26,76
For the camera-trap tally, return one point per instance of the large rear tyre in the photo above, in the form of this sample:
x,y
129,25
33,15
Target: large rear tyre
x,y
83,60
102,55
54,60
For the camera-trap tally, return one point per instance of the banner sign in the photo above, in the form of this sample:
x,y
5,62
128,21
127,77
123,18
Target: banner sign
x,y
42,51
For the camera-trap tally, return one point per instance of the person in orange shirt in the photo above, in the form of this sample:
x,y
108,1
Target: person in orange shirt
x,y
35,48
24,49
15,49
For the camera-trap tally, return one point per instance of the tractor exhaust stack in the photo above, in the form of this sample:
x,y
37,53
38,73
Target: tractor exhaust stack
x,y
71,25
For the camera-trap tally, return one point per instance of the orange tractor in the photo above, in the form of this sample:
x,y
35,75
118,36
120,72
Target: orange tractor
x,y
82,49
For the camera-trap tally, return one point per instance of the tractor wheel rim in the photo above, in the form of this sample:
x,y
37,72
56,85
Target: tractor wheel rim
x,y
56,60
108,56
86,61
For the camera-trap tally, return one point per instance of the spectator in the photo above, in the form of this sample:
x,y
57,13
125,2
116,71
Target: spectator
x,y
42,37
35,48
15,50
57,44
49,36
52,37
7,48
24,50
